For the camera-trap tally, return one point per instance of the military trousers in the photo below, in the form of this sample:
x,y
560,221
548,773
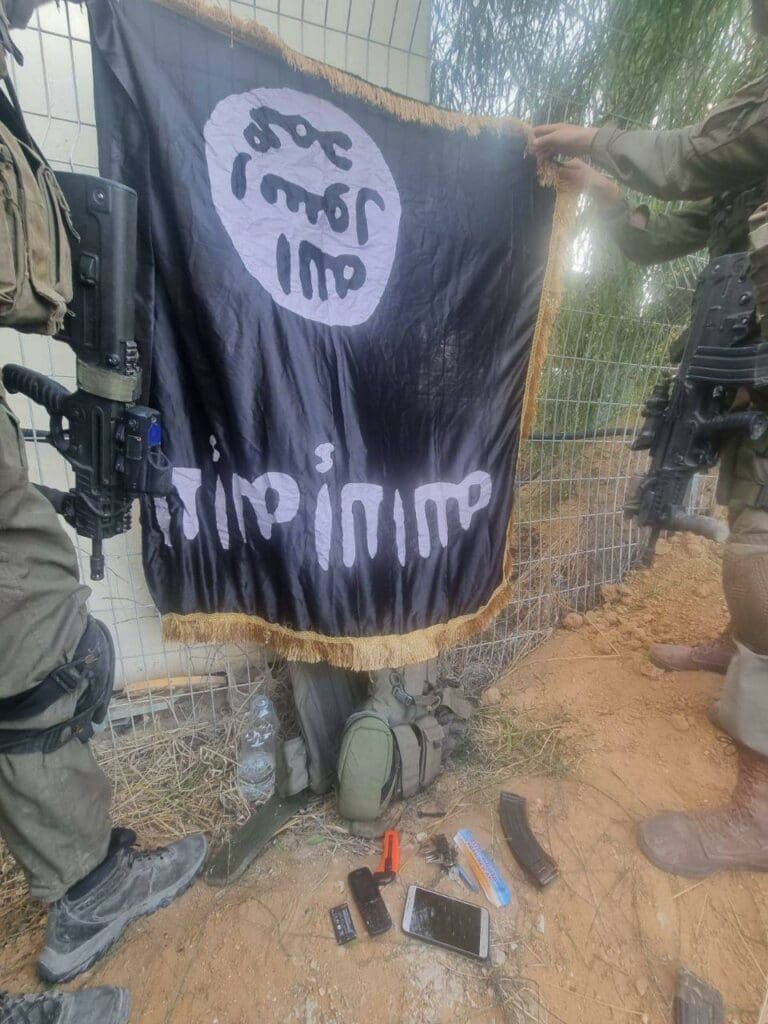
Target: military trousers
x,y
54,807
743,486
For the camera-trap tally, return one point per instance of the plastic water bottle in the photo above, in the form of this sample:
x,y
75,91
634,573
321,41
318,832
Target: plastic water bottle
x,y
261,708
256,760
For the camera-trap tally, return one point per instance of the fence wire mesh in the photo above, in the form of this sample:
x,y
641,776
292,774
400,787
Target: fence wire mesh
x,y
570,535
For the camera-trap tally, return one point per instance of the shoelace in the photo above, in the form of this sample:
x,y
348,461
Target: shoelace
x,y
161,853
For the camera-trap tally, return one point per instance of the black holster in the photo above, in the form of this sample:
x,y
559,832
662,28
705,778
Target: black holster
x,y
92,670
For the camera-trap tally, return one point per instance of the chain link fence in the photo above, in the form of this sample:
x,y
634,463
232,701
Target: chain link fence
x,y
570,536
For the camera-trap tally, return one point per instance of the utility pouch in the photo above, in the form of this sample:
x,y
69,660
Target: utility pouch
x,y
409,755
382,736
367,767
743,477
397,743
431,738
420,753
35,257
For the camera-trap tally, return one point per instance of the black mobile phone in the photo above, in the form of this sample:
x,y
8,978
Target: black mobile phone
x,y
368,899
447,922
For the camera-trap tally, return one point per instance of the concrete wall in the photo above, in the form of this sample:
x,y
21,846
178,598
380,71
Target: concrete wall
x,y
385,41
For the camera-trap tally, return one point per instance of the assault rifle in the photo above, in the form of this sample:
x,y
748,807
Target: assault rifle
x,y
112,443
689,416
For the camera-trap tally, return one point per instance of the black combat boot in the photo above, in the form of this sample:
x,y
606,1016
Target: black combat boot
x,y
128,884
91,1006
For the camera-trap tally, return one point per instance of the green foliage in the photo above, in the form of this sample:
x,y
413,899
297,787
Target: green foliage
x,y
659,63
649,61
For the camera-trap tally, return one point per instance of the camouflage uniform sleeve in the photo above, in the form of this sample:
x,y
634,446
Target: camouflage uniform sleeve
x,y
666,236
725,151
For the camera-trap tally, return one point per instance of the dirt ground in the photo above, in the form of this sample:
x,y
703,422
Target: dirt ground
x,y
602,944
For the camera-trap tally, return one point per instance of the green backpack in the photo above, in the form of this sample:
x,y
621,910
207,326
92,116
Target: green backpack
x,y
35,257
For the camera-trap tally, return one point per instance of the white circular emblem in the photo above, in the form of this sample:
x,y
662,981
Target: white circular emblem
x,y
307,199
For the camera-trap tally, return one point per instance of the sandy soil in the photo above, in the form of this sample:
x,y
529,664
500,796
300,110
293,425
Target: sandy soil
x,y
602,944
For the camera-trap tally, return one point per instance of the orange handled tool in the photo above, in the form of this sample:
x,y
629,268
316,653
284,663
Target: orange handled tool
x,y
390,859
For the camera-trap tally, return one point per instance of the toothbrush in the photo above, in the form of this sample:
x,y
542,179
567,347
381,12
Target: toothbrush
x,y
484,868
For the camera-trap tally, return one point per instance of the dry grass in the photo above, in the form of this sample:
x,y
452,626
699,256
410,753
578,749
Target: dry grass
x,y
509,743
518,998
185,782
18,913
176,784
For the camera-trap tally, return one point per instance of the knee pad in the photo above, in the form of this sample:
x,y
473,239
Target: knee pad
x,y
745,584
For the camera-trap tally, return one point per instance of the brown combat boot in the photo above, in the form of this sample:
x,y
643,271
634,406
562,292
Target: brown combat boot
x,y
730,838
714,656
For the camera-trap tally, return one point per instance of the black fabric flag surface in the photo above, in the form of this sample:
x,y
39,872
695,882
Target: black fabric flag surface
x,y
343,301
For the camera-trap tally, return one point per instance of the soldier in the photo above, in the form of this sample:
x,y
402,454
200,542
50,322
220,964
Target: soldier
x,y
719,225
56,670
725,156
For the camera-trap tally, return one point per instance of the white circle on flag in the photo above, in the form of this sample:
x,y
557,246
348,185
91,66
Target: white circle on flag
x,y
307,199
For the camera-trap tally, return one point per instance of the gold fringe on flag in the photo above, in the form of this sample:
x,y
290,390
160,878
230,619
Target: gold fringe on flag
x,y
368,653
344,82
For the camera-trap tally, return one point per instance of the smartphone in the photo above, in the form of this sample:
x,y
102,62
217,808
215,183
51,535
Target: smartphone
x,y
369,901
447,922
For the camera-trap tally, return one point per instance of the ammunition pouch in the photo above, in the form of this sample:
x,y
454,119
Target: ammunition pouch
x,y
743,476
90,672
35,223
748,495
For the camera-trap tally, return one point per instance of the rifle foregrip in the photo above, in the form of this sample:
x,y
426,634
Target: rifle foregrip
x,y
37,386
750,422
704,526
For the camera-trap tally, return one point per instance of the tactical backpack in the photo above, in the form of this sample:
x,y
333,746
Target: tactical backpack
x,y
35,259
378,736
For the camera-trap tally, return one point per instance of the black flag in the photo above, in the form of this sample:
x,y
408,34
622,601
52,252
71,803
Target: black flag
x,y
342,292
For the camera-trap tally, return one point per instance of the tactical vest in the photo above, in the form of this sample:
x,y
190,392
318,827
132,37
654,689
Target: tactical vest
x,y
729,218
35,258
728,233
743,474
